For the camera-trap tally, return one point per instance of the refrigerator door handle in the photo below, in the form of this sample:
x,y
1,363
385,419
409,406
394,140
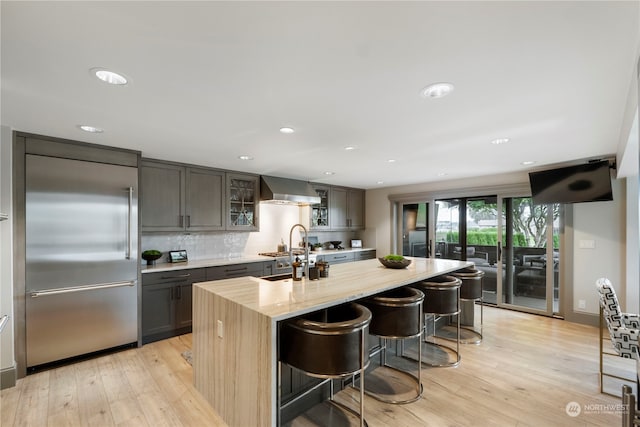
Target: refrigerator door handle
x,y
129,250
36,294
3,322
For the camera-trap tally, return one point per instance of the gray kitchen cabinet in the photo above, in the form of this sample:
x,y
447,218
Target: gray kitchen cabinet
x,y
355,208
337,258
204,200
366,254
320,211
162,196
243,200
346,208
167,303
181,198
256,269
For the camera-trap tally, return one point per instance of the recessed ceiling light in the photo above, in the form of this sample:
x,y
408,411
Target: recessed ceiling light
x,y
91,129
329,173
109,76
528,162
499,141
380,182
442,174
245,157
391,161
287,130
349,148
437,90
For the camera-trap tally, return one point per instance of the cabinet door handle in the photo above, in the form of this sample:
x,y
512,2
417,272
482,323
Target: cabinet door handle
x,y
179,292
176,277
188,220
171,293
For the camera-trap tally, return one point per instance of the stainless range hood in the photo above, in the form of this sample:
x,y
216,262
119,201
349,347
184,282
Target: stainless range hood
x,y
290,191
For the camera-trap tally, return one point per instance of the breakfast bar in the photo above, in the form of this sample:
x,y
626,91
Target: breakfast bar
x,y
235,324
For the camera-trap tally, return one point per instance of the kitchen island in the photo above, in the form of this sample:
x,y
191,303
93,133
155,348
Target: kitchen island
x,y
235,324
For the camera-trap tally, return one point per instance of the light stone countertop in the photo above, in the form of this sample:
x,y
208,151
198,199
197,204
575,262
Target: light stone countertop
x,y
167,266
346,282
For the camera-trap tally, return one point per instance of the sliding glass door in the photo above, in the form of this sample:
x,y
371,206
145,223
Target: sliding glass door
x,y
515,243
530,255
415,230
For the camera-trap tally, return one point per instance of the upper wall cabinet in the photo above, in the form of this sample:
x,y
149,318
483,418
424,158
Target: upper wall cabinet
x,y
181,198
346,208
320,211
340,208
243,198
204,205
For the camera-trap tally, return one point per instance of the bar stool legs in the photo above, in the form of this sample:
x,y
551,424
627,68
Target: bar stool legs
x,y
396,315
471,290
442,299
456,353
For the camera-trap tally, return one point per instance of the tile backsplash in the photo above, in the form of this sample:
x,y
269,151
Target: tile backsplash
x,y
275,223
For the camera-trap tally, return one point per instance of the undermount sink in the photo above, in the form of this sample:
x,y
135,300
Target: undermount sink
x,y
277,277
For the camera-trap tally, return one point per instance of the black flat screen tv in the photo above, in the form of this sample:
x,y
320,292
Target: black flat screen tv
x,y
590,182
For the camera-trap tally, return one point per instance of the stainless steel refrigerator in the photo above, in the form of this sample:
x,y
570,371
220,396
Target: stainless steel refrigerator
x,y
81,257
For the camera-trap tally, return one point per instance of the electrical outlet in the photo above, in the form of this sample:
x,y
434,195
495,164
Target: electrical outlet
x,y
220,329
582,304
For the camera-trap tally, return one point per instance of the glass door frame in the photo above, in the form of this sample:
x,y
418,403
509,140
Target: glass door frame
x,y
549,273
502,192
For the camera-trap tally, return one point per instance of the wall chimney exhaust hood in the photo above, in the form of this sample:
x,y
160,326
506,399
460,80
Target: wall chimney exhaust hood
x,y
287,191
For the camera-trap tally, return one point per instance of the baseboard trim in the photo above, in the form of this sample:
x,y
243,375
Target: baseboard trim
x,y
8,377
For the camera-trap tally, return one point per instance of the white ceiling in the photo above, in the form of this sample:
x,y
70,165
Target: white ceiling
x,y
214,80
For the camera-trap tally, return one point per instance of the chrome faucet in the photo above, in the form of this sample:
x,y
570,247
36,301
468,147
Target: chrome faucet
x,y
306,248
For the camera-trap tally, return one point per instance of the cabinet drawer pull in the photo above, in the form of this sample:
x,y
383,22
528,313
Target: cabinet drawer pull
x,y
341,257
231,270
176,277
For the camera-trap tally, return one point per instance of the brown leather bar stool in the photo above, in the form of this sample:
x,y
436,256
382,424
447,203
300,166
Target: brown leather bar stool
x,y
441,298
471,290
396,315
327,344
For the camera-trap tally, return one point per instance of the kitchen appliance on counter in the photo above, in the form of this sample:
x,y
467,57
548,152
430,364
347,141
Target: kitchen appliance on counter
x,y
283,262
81,257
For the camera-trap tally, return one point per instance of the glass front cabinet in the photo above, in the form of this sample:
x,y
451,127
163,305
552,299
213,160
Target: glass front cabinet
x,y
243,197
320,211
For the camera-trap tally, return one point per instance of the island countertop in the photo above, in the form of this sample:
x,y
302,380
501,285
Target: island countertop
x,y
284,299
235,329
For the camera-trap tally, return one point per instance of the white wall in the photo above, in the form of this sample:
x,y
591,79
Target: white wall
x,y
602,223
7,360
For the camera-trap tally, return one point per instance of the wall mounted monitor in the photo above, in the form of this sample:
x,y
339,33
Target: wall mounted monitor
x,y
590,182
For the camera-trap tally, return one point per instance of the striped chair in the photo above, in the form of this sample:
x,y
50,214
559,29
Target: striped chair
x,y
624,329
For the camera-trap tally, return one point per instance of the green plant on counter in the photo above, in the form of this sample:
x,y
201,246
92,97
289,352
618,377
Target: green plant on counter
x,y
151,252
394,257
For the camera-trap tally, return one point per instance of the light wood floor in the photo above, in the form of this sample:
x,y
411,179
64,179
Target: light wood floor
x,y
525,372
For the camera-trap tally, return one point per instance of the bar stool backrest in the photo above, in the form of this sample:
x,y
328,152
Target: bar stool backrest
x,y
328,343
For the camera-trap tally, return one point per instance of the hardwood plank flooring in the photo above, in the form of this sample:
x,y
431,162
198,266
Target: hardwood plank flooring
x,y
524,373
